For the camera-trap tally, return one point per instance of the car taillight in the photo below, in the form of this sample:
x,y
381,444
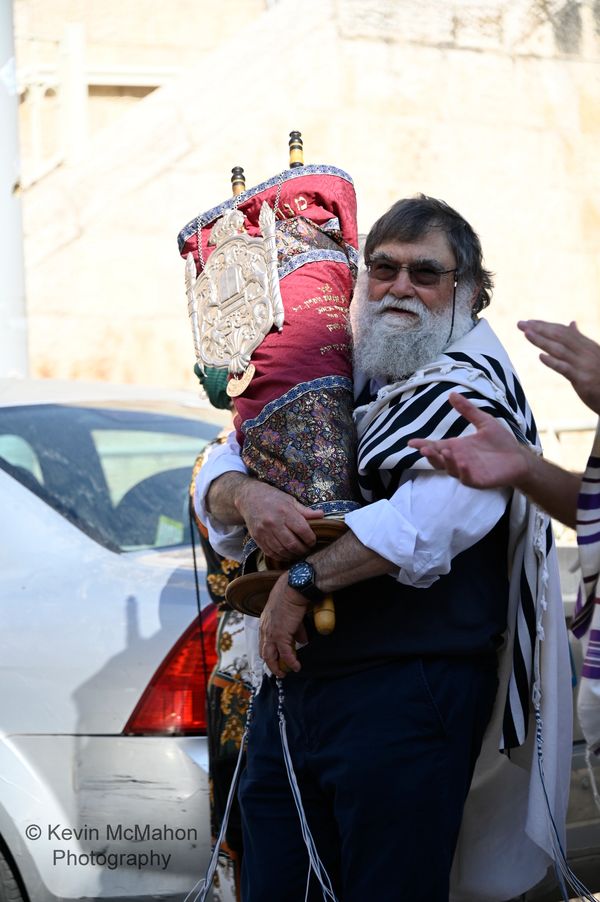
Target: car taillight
x,y
174,701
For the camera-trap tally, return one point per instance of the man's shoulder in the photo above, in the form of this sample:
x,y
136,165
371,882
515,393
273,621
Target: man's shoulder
x,y
481,342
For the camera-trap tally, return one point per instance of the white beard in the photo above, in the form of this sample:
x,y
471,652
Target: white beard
x,y
391,346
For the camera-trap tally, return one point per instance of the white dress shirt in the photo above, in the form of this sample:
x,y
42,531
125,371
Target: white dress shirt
x,y
428,520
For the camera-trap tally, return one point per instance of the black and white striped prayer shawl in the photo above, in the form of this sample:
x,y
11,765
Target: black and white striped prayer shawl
x,y
419,408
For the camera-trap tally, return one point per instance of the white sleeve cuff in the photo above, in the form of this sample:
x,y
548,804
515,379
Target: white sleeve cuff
x,y
384,529
224,538
429,520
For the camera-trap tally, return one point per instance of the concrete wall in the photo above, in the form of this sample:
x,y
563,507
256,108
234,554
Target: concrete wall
x,y
137,32
494,107
129,50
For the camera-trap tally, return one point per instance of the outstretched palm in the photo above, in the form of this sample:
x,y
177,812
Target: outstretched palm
x,y
488,458
569,353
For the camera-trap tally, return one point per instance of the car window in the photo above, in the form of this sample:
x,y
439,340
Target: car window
x,y
120,474
19,453
129,456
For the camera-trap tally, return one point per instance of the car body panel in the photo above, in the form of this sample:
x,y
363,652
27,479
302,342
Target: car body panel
x,y
135,610
84,627
129,796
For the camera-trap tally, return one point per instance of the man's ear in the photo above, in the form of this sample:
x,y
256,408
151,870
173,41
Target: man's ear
x,y
475,298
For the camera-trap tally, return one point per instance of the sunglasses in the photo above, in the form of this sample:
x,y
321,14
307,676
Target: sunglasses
x,y
421,275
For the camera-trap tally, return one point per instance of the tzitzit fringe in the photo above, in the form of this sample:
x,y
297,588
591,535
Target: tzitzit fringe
x,y
202,887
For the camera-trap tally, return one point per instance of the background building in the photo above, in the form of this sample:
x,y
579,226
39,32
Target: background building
x,y
133,114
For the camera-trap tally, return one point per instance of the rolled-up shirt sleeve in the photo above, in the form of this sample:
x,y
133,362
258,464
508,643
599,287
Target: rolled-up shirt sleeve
x,y
224,538
430,519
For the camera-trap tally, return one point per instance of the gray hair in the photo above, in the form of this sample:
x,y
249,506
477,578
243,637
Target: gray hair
x,y
411,218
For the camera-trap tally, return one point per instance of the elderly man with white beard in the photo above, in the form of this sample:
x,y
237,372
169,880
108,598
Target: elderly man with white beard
x,y
443,596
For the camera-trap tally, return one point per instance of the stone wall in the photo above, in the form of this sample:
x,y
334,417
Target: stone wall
x,y
494,107
129,50
136,32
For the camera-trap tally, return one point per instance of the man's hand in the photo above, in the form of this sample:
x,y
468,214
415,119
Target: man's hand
x,y
493,458
489,458
569,353
275,520
281,626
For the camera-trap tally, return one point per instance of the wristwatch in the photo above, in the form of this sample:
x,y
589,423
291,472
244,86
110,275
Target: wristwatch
x,y
301,577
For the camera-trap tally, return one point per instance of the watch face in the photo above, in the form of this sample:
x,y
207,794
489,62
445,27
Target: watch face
x,y
300,575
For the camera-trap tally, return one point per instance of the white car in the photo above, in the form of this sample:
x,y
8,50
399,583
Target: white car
x,y
104,659
103,655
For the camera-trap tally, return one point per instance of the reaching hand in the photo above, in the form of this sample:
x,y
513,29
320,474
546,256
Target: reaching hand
x,y
489,458
569,353
275,520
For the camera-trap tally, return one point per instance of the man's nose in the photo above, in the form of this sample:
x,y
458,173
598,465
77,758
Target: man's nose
x,y
402,286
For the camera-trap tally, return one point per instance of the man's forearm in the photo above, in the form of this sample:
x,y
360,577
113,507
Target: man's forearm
x,y
347,561
223,498
552,488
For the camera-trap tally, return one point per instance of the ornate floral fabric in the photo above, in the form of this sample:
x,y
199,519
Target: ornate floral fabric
x,y
228,694
303,443
299,236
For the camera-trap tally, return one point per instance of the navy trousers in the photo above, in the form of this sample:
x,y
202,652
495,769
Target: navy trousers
x,y
384,758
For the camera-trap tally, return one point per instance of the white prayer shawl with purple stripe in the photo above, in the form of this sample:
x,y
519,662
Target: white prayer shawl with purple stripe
x,y
586,622
507,839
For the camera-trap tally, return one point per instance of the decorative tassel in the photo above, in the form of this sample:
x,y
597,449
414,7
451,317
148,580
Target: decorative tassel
x,y
565,876
204,884
316,865
592,776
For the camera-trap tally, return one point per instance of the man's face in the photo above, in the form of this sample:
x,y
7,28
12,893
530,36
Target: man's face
x,y
429,255
403,319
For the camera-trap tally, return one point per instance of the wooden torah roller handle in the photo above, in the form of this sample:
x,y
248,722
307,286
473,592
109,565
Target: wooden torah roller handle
x,y
249,593
324,614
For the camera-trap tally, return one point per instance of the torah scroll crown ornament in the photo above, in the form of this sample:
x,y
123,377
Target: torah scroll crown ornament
x,y
236,300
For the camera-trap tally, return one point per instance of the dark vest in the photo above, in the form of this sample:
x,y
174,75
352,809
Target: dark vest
x,y
379,620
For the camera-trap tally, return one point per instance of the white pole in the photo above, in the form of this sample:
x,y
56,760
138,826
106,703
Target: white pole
x,y
13,317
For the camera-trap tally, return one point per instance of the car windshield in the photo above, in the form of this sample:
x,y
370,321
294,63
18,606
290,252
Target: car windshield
x,y
118,473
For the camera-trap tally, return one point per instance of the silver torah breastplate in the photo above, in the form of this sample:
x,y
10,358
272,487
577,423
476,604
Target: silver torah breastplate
x,y
236,300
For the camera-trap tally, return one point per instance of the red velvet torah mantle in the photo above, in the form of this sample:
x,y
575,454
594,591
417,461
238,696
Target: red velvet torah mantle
x,y
294,420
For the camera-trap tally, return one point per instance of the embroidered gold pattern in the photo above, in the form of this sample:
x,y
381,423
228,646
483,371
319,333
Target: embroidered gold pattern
x,y
315,434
